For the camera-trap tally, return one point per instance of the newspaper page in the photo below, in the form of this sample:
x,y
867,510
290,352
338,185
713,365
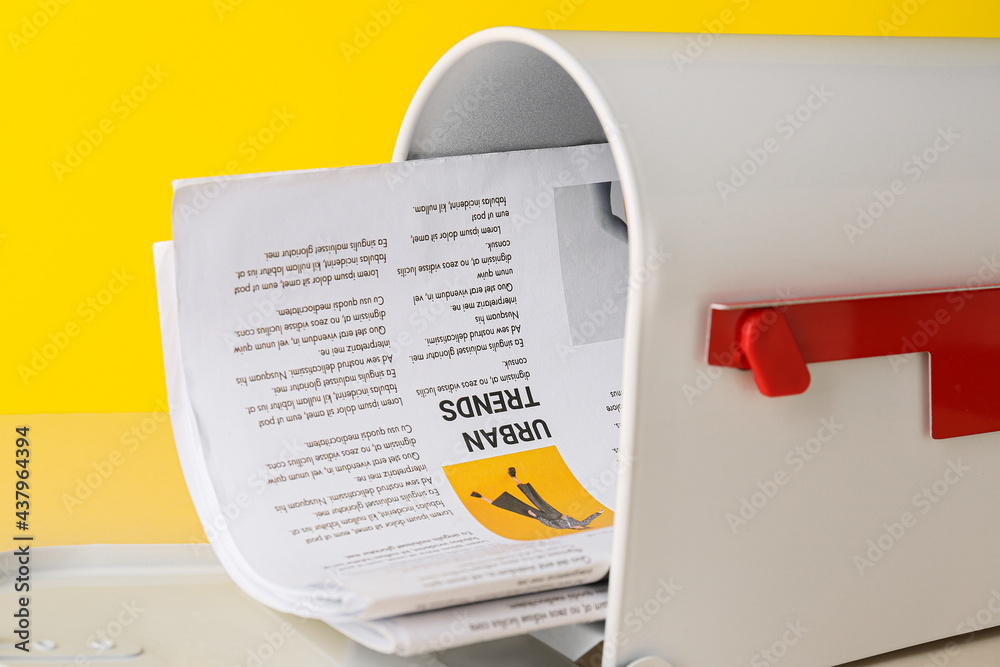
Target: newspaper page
x,y
411,634
403,380
442,629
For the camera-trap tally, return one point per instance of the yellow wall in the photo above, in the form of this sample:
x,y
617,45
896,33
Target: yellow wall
x,y
79,328
100,478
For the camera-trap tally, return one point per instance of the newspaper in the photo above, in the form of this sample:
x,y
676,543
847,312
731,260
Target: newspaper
x,y
395,389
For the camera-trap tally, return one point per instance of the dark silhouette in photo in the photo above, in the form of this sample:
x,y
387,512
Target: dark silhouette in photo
x,y
538,509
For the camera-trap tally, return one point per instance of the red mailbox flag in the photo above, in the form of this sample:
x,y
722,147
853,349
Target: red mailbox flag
x,y
960,329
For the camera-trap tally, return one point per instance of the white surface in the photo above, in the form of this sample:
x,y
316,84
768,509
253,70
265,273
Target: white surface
x,y
173,604
188,612
787,582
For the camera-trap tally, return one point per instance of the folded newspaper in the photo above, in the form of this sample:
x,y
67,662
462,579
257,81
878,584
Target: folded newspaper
x,y
395,389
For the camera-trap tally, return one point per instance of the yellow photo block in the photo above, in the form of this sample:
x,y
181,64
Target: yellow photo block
x,y
529,495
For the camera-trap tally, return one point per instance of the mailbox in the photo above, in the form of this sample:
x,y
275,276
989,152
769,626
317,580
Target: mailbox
x,y
830,210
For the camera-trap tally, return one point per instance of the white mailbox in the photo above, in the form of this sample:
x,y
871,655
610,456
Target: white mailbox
x,y
830,207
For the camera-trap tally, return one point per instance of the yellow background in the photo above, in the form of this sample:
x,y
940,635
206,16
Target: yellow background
x,y
548,475
225,67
